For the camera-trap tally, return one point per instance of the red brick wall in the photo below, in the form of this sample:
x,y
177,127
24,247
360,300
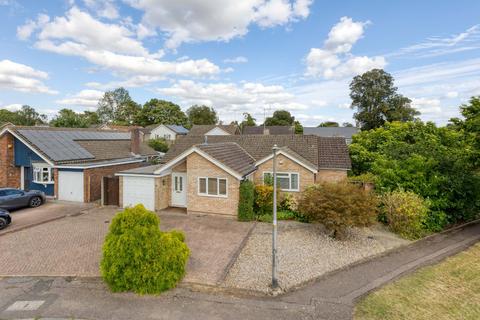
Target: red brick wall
x,y
9,173
92,179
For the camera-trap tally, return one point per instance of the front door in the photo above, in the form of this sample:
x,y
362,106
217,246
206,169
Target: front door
x,y
179,189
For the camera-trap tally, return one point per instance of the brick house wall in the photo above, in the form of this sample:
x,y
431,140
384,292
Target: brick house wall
x,y
331,175
163,191
9,173
197,166
284,164
92,179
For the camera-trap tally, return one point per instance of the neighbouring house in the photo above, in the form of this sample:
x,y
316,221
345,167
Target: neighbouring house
x,y
273,130
144,132
168,132
204,174
344,132
214,130
67,164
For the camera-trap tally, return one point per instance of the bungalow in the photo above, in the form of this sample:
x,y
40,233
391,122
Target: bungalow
x,y
67,164
168,132
273,130
204,175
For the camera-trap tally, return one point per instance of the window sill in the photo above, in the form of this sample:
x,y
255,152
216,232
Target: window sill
x,y
288,190
38,182
212,196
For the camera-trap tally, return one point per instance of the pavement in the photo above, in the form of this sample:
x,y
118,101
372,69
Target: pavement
x,y
52,210
71,246
331,297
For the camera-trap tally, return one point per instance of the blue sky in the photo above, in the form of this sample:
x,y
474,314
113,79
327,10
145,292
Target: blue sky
x,y
237,56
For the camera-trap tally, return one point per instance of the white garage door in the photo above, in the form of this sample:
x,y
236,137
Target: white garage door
x,y
70,186
139,190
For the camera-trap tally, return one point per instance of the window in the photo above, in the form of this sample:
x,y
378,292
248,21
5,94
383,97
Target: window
x,y
212,187
42,174
167,136
286,181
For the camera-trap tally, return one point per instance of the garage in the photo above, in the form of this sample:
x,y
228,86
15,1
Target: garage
x,y
139,190
70,185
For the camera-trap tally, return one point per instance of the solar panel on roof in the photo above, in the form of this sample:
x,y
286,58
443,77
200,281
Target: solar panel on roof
x,y
61,145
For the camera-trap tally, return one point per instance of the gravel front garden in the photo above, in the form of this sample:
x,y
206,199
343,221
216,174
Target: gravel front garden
x,y
305,252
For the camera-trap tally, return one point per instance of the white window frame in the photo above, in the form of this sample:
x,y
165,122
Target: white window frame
x,y
167,136
206,194
38,170
289,178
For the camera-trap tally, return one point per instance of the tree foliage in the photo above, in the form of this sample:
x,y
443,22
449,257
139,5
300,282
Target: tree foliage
x,y
159,144
328,124
376,100
118,107
157,111
202,115
67,118
248,120
246,201
138,257
26,116
338,206
280,118
435,163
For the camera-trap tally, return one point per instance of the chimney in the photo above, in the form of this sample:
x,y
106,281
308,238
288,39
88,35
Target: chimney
x,y
135,141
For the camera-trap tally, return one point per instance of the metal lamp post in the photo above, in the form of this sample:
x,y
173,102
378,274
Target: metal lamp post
x,y
274,233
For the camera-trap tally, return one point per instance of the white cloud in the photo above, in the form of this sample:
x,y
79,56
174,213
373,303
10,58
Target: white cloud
x,y
12,107
110,46
103,8
438,46
20,77
334,60
239,59
231,99
84,98
208,20
451,94
425,105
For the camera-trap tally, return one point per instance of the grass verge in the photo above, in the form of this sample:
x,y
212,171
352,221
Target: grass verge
x,y
449,290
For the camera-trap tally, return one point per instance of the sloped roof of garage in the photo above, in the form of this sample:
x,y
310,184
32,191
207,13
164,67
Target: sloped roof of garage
x,y
74,145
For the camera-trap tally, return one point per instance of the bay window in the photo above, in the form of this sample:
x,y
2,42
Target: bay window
x,y
212,187
286,181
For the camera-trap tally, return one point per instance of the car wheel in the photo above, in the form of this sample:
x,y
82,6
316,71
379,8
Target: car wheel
x,y
35,202
3,223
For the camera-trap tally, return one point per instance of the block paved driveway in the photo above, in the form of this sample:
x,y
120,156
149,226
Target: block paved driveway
x,y
71,246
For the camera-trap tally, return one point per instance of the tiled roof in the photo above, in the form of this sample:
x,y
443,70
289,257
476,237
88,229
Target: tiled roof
x,y
200,130
268,130
72,145
345,132
322,152
231,155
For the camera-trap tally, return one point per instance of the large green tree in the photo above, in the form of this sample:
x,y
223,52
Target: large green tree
x,y
118,107
284,118
248,120
157,111
376,101
202,115
26,116
433,162
68,118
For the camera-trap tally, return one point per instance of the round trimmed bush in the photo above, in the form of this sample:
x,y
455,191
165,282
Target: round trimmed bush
x,y
406,213
138,257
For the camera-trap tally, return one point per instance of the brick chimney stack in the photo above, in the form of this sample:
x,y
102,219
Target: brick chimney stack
x,y
135,141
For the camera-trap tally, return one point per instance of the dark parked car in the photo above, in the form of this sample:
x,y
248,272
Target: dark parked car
x,y
14,198
5,219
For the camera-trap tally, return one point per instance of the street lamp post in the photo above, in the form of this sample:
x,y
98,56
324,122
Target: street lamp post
x,y
274,233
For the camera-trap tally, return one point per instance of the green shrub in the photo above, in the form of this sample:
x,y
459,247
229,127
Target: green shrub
x,y
138,257
281,215
288,202
159,144
264,199
406,213
339,205
246,201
